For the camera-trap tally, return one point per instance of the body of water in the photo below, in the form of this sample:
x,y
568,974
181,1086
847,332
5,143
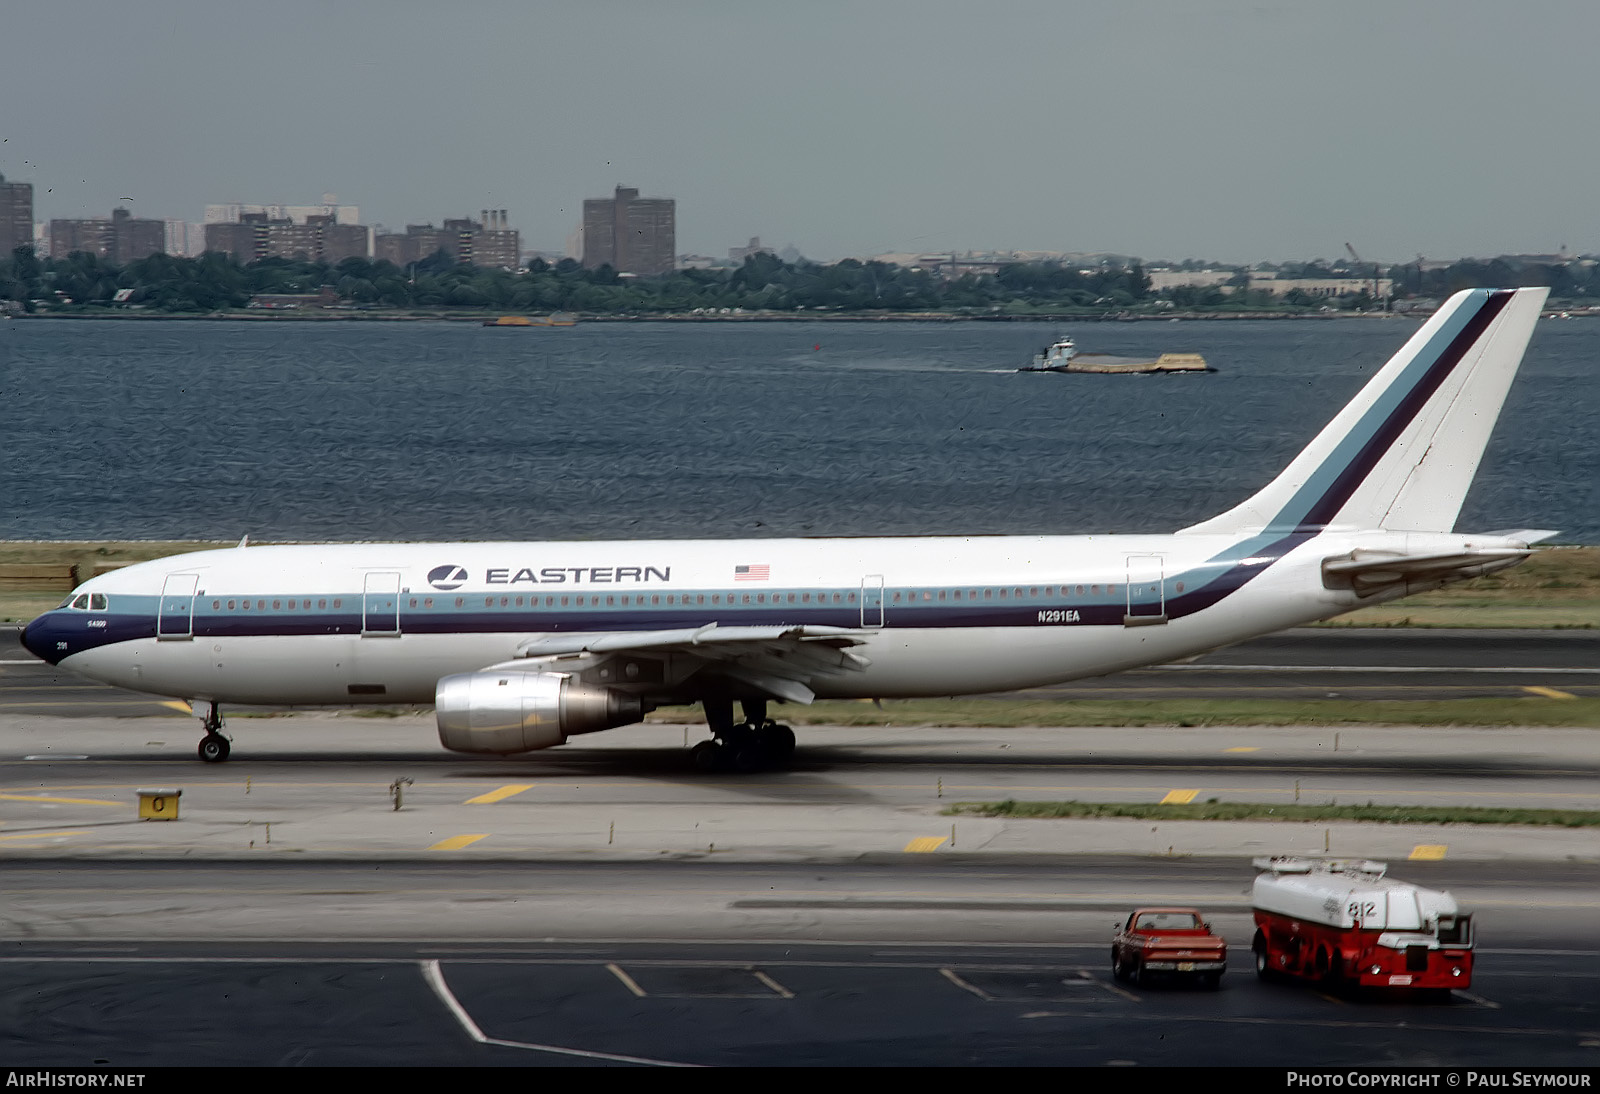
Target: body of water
x,y
387,430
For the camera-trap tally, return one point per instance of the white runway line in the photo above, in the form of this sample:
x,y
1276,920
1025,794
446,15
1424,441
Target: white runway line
x,y
435,979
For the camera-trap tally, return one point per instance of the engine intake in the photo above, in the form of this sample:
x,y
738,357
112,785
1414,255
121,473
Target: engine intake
x,y
506,712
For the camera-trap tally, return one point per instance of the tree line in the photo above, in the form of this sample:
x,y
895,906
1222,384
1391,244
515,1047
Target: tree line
x,y
215,282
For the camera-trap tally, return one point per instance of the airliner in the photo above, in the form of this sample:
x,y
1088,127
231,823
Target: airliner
x,y
519,646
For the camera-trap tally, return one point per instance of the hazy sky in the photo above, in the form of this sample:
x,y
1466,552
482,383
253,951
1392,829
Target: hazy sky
x,y
1165,128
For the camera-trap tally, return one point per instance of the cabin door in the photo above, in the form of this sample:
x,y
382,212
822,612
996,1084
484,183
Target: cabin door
x,y
1147,597
380,605
175,620
872,601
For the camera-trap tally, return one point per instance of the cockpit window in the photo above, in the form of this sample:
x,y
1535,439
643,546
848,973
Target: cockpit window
x,y
97,602
81,600
67,603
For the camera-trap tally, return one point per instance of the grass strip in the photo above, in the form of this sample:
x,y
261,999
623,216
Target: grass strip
x,y
1531,710
1215,810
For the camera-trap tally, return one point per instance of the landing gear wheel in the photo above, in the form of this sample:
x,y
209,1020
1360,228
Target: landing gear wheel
x,y
707,756
778,741
213,748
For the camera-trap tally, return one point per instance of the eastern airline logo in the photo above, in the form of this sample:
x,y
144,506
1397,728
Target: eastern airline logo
x,y
447,577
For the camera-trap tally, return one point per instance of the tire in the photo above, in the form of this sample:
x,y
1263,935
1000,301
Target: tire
x,y
1258,950
749,758
778,741
213,748
1118,972
707,756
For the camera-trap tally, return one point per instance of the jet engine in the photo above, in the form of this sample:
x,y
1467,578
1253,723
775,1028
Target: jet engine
x,y
506,712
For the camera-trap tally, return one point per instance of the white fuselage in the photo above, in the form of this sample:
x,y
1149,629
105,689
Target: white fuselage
x,y
383,623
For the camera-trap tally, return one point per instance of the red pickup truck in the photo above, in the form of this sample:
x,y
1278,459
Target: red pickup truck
x,y
1168,941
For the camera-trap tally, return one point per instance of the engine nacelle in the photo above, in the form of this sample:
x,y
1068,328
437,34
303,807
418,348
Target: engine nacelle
x,y
506,712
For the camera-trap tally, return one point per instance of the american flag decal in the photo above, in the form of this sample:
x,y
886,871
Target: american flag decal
x,y
754,572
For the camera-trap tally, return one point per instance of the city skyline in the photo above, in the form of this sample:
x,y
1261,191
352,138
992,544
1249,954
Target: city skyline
x,y
1222,129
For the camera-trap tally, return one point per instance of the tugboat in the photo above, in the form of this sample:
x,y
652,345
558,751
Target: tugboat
x,y
1055,358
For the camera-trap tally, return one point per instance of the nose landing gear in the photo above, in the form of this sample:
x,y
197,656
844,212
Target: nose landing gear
x,y
749,746
214,746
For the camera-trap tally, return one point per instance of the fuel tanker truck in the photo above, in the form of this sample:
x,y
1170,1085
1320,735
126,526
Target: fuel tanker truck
x,y
1343,921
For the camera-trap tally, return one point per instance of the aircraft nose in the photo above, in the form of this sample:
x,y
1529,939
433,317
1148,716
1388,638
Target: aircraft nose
x,y
36,640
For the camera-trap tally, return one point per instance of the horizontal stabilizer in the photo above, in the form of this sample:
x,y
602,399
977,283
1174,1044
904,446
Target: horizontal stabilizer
x,y
1369,572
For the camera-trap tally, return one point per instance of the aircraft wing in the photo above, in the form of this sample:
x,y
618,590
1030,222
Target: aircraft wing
x,y
779,660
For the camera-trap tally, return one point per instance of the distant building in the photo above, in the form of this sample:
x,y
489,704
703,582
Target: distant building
x,y
16,215
318,238
234,212
629,233
118,239
1162,278
739,254
487,242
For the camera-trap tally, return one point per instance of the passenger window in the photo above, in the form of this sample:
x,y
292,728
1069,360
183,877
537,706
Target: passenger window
x,y
322,603
896,598
610,600
427,602
460,602
261,605
338,602
230,605
700,598
216,605
413,602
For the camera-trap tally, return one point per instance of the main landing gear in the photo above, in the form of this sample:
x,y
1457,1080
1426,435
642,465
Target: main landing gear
x,y
753,744
213,746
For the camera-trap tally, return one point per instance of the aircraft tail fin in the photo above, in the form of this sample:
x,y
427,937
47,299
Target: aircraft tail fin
x,y
1404,451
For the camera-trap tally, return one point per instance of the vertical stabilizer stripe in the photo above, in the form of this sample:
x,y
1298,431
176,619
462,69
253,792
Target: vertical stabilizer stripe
x,y
1319,502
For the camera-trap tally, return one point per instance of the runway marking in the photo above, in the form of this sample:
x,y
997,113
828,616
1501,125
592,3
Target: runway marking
x,y
1428,852
771,983
456,843
924,844
500,795
1112,988
950,975
55,801
434,976
1477,999
1549,693
627,981
1179,797
42,835
1243,748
